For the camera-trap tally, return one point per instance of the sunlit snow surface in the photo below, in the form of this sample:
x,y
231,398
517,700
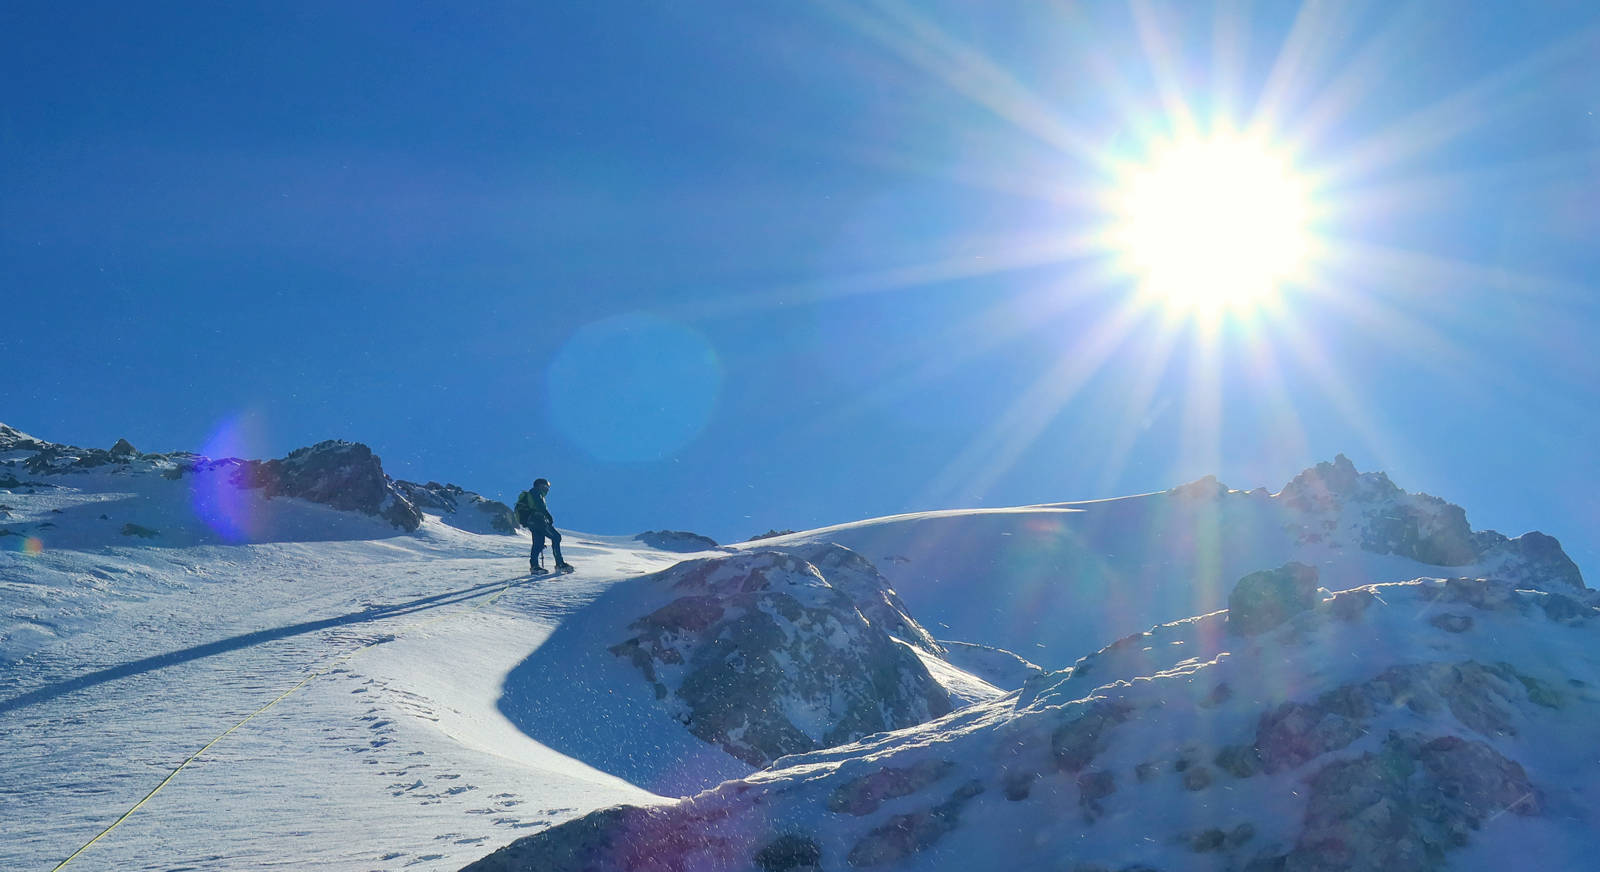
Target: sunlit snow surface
x,y
118,661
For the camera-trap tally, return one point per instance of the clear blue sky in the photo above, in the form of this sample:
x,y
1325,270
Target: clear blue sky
x,y
731,266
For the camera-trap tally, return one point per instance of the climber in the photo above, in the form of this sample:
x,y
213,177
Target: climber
x,y
532,513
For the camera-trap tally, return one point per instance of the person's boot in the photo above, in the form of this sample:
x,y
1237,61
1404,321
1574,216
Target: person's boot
x,y
535,568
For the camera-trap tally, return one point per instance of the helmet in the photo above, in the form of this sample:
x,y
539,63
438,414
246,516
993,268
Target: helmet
x,y
541,484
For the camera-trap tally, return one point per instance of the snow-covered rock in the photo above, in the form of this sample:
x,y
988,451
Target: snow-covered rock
x,y
764,655
344,475
1050,582
1333,501
458,507
1417,725
680,541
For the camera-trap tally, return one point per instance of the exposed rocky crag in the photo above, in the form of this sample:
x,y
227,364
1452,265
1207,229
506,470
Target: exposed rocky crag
x,y
764,654
460,507
1334,502
680,541
343,475
1388,727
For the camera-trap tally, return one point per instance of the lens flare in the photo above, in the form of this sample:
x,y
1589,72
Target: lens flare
x,y
224,507
33,546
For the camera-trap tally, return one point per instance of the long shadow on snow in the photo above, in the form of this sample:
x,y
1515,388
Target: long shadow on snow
x,y
245,640
574,696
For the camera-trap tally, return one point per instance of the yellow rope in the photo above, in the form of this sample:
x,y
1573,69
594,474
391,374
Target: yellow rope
x,y
248,718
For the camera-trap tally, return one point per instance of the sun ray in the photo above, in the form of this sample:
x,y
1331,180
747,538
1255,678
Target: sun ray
x,y
1319,29
1008,255
923,44
1160,54
1307,350
1491,97
1135,404
993,452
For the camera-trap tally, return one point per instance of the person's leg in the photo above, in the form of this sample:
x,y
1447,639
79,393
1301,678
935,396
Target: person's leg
x,y
537,554
555,546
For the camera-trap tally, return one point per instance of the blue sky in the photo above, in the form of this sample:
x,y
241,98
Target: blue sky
x,y
735,266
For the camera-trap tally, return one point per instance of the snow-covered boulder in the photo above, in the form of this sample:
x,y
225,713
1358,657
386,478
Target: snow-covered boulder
x,y
344,475
680,541
764,656
459,507
1263,600
1417,725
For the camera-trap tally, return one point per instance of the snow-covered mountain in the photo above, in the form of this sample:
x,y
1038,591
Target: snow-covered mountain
x,y
1050,582
304,663
1418,725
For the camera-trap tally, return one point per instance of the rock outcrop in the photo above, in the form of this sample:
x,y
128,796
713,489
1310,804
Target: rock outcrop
x,y
344,475
459,507
761,654
1386,727
1333,502
680,541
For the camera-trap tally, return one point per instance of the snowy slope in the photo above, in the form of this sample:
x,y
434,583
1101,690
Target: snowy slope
x,y
123,654
1051,582
375,685
1421,725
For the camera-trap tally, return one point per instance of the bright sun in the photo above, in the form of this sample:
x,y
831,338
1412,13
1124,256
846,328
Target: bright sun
x,y
1212,225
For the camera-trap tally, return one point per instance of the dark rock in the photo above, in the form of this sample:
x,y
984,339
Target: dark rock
x,y
770,534
460,507
1564,609
1241,834
1451,623
1075,743
853,574
1018,785
1093,787
755,635
907,834
623,837
1218,695
141,532
123,448
1204,489
1543,561
863,795
1263,600
789,853
679,541
1196,778
1240,761
1402,809
344,475
1350,605
1208,840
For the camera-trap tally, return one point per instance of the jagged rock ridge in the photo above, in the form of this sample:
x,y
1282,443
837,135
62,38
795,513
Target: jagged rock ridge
x,y
1334,499
343,475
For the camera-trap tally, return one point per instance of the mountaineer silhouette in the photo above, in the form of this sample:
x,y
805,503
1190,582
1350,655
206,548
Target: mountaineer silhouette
x,y
532,513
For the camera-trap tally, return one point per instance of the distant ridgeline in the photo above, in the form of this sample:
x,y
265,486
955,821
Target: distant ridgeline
x,y
341,475
1334,503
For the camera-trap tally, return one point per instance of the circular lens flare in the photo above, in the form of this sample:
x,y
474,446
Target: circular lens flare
x,y
1210,225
